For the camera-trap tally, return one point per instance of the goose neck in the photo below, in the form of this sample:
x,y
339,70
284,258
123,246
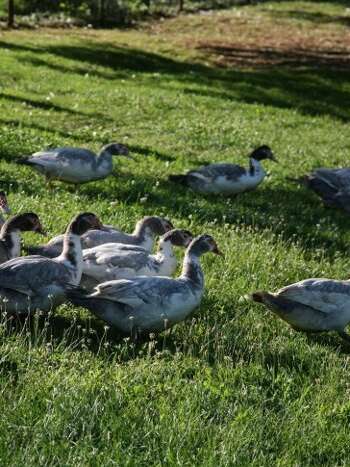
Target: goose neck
x,y
12,241
192,270
144,236
72,250
255,167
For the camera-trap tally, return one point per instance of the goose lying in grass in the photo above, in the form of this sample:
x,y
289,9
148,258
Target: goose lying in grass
x,y
34,282
146,304
146,230
228,179
4,207
117,261
75,165
312,305
332,185
10,234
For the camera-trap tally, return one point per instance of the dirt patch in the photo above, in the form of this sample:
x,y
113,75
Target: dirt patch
x,y
229,54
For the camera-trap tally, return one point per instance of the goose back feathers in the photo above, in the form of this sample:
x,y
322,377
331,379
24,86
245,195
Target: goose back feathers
x,y
75,165
145,304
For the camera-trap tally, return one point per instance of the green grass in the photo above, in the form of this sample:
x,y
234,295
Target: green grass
x,y
232,385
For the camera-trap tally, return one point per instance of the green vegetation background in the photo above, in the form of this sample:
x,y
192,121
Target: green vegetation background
x,y
232,385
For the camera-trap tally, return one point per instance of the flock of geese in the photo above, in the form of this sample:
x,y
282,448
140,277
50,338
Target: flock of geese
x,y
117,276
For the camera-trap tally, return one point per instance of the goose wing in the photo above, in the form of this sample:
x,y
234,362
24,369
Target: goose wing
x,y
94,238
113,255
337,178
29,274
212,171
325,295
61,157
140,291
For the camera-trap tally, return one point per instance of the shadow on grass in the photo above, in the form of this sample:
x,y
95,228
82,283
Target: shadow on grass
x,y
313,81
294,213
315,17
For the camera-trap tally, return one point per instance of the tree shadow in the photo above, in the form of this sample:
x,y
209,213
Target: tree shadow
x,y
275,208
311,80
312,16
147,151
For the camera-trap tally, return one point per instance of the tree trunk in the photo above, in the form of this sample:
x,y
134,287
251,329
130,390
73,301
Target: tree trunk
x,y
11,13
181,6
102,12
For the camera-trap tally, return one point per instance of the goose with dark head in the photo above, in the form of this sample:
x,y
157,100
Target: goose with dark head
x,y
227,178
144,235
10,234
34,282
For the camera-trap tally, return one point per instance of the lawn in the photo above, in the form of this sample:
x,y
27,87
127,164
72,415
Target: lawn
x,y
232,385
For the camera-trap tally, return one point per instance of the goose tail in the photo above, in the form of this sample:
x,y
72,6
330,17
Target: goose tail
x,y
180,179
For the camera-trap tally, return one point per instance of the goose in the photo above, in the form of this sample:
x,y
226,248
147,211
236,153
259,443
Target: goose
x,y
227,179
311,305
117,261
30,283
150,304
332,185
143,236
75,165
10,234
4,207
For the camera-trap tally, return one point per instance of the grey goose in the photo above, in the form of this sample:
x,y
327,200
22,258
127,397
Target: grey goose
x,y
118,261
331,185
150,304
225,178
145,232
10,234
311,305
31,283
75,165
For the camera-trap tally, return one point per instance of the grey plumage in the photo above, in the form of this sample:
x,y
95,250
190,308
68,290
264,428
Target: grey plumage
x,y
35,282
312,305
75,165
145,304
331,185
227,178
144,235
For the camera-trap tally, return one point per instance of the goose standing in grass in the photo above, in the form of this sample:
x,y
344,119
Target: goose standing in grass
x,y
32,283
117,261
227,179
332,185
150,304
311,305
10,234
146,230
75,165
4,207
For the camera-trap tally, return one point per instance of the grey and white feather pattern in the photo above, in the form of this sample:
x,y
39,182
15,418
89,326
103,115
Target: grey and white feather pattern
x,y
75,165
332,185
312,305
145,232
117,261
145,304
227,178
35,282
